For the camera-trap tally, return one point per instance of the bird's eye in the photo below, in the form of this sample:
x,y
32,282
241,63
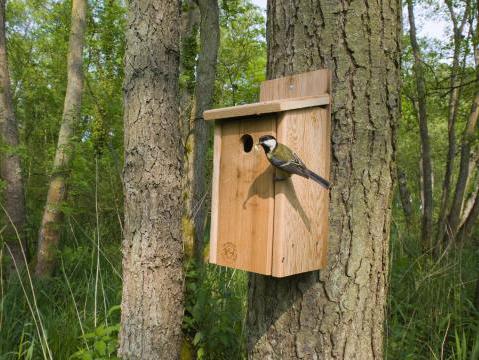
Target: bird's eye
x,y
247,141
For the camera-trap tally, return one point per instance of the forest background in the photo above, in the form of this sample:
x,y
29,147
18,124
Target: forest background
x,y
433,298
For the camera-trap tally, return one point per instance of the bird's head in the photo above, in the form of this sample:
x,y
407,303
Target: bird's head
x,y
268,142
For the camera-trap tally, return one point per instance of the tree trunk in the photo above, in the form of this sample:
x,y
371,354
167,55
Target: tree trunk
x,y
338,313
455,84
405,196
468,138
10,166
49,236
427,220
152,304
205,87
190,23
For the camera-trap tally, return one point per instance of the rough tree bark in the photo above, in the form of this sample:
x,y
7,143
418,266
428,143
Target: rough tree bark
x,y
204,91
49,236
427,220
338,313
152,303
10,166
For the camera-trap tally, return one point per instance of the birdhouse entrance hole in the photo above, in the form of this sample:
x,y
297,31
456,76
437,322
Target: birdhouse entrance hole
x,y
247,141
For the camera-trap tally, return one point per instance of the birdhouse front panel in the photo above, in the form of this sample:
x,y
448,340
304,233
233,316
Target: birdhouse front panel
x,y
245,196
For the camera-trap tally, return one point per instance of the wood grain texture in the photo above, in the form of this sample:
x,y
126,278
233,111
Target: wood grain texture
x,y
267,107
215,193
311,83
246,199
301,205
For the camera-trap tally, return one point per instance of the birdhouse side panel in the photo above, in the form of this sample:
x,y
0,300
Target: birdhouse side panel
x,y
245,197
301,205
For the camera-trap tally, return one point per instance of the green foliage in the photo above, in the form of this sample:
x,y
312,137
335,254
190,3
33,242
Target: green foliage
x,y
242,54
101,343
431,314
64,304
215,312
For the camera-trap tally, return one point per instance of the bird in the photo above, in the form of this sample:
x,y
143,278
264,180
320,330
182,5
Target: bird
x,y
284,159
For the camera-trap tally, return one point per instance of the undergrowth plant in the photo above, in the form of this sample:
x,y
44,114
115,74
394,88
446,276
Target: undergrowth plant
x,y
431,311
215,312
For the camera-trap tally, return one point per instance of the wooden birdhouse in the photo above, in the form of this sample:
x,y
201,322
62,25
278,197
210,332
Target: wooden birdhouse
x,y
277,228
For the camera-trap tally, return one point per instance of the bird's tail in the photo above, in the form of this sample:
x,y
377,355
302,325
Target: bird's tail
x,y
320,180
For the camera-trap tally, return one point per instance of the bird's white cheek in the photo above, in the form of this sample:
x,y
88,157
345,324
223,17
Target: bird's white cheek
x,y
270,143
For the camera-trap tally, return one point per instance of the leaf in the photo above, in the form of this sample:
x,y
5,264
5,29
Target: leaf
x,y
198,338
114,309
100,346
101,330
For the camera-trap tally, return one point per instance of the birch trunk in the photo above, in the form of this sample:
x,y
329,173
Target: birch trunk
x,y
338,313
49,236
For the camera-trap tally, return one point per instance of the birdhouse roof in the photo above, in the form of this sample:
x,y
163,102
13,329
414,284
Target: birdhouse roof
x,y
267,107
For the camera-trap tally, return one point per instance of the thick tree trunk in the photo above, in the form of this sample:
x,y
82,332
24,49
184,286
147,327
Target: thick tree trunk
x,y
338,313
49,236
10,167
205,87
152,304
427,220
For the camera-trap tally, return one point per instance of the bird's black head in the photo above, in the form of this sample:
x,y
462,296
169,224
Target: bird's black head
x,y
268,142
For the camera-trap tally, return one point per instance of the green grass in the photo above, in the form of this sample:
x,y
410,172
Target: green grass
x,y
431,314
64,304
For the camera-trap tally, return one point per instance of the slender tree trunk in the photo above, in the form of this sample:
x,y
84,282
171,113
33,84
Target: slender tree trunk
x,y
205,86
338,313
10,166
190,23
152,303
468,224
405,196
468,138
451,121
471,200
49,236
427,220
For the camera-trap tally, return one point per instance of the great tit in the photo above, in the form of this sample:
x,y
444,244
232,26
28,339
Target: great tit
x,y
284,159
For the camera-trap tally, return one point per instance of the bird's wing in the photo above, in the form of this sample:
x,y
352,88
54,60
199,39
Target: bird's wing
x,y
293,165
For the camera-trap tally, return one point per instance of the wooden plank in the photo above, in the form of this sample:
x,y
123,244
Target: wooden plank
x,y
215,193
312,83
301,206
266,107
246,198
